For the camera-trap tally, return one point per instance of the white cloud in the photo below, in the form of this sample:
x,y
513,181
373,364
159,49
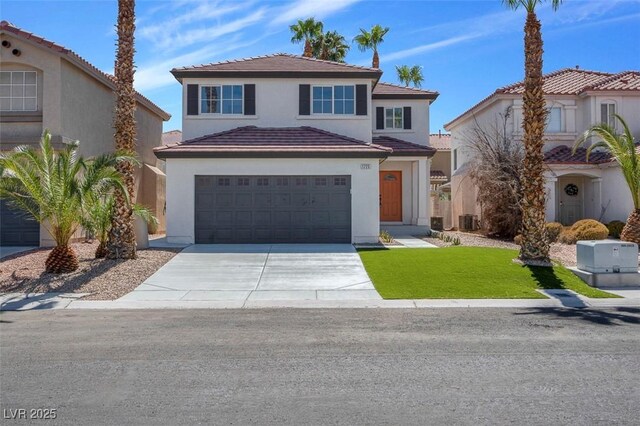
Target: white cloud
x,y
401,54
302,9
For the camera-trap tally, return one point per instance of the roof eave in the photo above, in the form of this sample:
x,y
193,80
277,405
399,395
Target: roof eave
x,y
164,153
427,96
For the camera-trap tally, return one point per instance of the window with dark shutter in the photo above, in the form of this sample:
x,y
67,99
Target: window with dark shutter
x,y
407,117
192,99
304,100
249,99
379,118
361,99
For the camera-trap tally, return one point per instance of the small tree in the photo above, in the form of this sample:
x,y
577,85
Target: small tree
x,y
307,30
54,188
496,172
330,46
370,40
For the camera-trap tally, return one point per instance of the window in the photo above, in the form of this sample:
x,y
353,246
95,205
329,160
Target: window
x,y
606,114
225,99
393,118
333,100
340,181
554,120
18,91
243,181
321,181
455,159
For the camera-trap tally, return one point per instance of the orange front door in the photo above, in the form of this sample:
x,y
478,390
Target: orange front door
x,y
390,196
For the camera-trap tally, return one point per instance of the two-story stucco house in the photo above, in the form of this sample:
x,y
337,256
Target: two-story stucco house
x,y
283,148
46,86
576,100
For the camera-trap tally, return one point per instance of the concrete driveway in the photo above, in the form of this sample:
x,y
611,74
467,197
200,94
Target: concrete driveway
x,y
255,272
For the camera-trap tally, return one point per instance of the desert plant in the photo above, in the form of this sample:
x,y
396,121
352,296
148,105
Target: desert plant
x,y
622,148
370,40
590,229
54,188
615,228
306,30
553,231
567,236
535,247
386,237
517,239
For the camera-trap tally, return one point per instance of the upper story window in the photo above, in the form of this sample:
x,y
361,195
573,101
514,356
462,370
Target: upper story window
x,y
607,111
333,100
18,91
455,159
223,99
394,118
554,120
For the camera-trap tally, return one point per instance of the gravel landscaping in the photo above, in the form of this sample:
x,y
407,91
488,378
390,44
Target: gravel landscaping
x,y
105,279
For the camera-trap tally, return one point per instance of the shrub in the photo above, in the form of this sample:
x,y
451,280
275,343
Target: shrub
x,y
567,236
518,239
386,237
589,229
553,231
615,228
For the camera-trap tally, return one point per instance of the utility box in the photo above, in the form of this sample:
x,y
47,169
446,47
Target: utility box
x,y
607,256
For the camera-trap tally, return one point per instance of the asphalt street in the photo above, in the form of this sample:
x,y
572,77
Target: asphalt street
x,y
287,366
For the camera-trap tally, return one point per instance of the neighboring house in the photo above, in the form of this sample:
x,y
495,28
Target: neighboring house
x,y
282,148
576,100
46,86
171,137
440,177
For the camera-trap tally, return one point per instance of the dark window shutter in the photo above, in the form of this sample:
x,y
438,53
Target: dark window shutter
x,y
304,105
361,99
249,99
407,117
192,99
379,118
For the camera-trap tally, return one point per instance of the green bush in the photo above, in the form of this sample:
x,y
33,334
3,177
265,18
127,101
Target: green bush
x,y
615,228
589,229
553,231
567,236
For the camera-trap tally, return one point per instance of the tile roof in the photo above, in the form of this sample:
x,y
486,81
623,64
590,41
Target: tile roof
x,y
438,175
562,155
79,61
171,137
570,81
394,91
403,148
440,141
251,141
278,64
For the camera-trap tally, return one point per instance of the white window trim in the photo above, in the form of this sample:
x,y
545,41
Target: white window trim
x,y
23,97
401,108
219,114
333,98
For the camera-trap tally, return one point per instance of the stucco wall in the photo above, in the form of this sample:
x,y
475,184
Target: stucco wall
x,y
615,189
276,106
181,188
442,161
419,132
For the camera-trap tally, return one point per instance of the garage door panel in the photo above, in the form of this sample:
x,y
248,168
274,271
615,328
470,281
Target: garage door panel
x,y
17,228
265,209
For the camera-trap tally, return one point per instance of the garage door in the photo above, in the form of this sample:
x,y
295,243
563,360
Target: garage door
x,y
16,228
273,209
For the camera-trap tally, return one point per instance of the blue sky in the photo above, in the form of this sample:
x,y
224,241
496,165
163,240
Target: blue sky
x,y
466,48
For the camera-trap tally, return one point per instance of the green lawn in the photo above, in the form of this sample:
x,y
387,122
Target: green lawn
x,y
464,273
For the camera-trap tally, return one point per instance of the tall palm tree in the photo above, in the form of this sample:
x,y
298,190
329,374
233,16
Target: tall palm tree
x,y
622,148
54,187
122,237
411,75
307,31
535,245
370,40
330,46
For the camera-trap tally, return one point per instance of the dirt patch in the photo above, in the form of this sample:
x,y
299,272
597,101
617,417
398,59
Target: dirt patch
x,y
105,279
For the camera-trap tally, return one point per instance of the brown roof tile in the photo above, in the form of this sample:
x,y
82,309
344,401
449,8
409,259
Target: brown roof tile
x,y
80,62
277,65
562,155
403,148
438,175
440,141
394,91
171,137
251,141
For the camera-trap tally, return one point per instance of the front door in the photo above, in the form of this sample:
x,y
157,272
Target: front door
x,y
571,199
390,196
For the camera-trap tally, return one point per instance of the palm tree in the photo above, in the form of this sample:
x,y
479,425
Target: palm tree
x,y
307,31
411,75
622,148
330,46
122,237
370,40
535,245
54,187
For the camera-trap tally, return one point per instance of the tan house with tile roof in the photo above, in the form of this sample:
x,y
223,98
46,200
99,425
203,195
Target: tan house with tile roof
x,y
576,99
282,148
47,86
